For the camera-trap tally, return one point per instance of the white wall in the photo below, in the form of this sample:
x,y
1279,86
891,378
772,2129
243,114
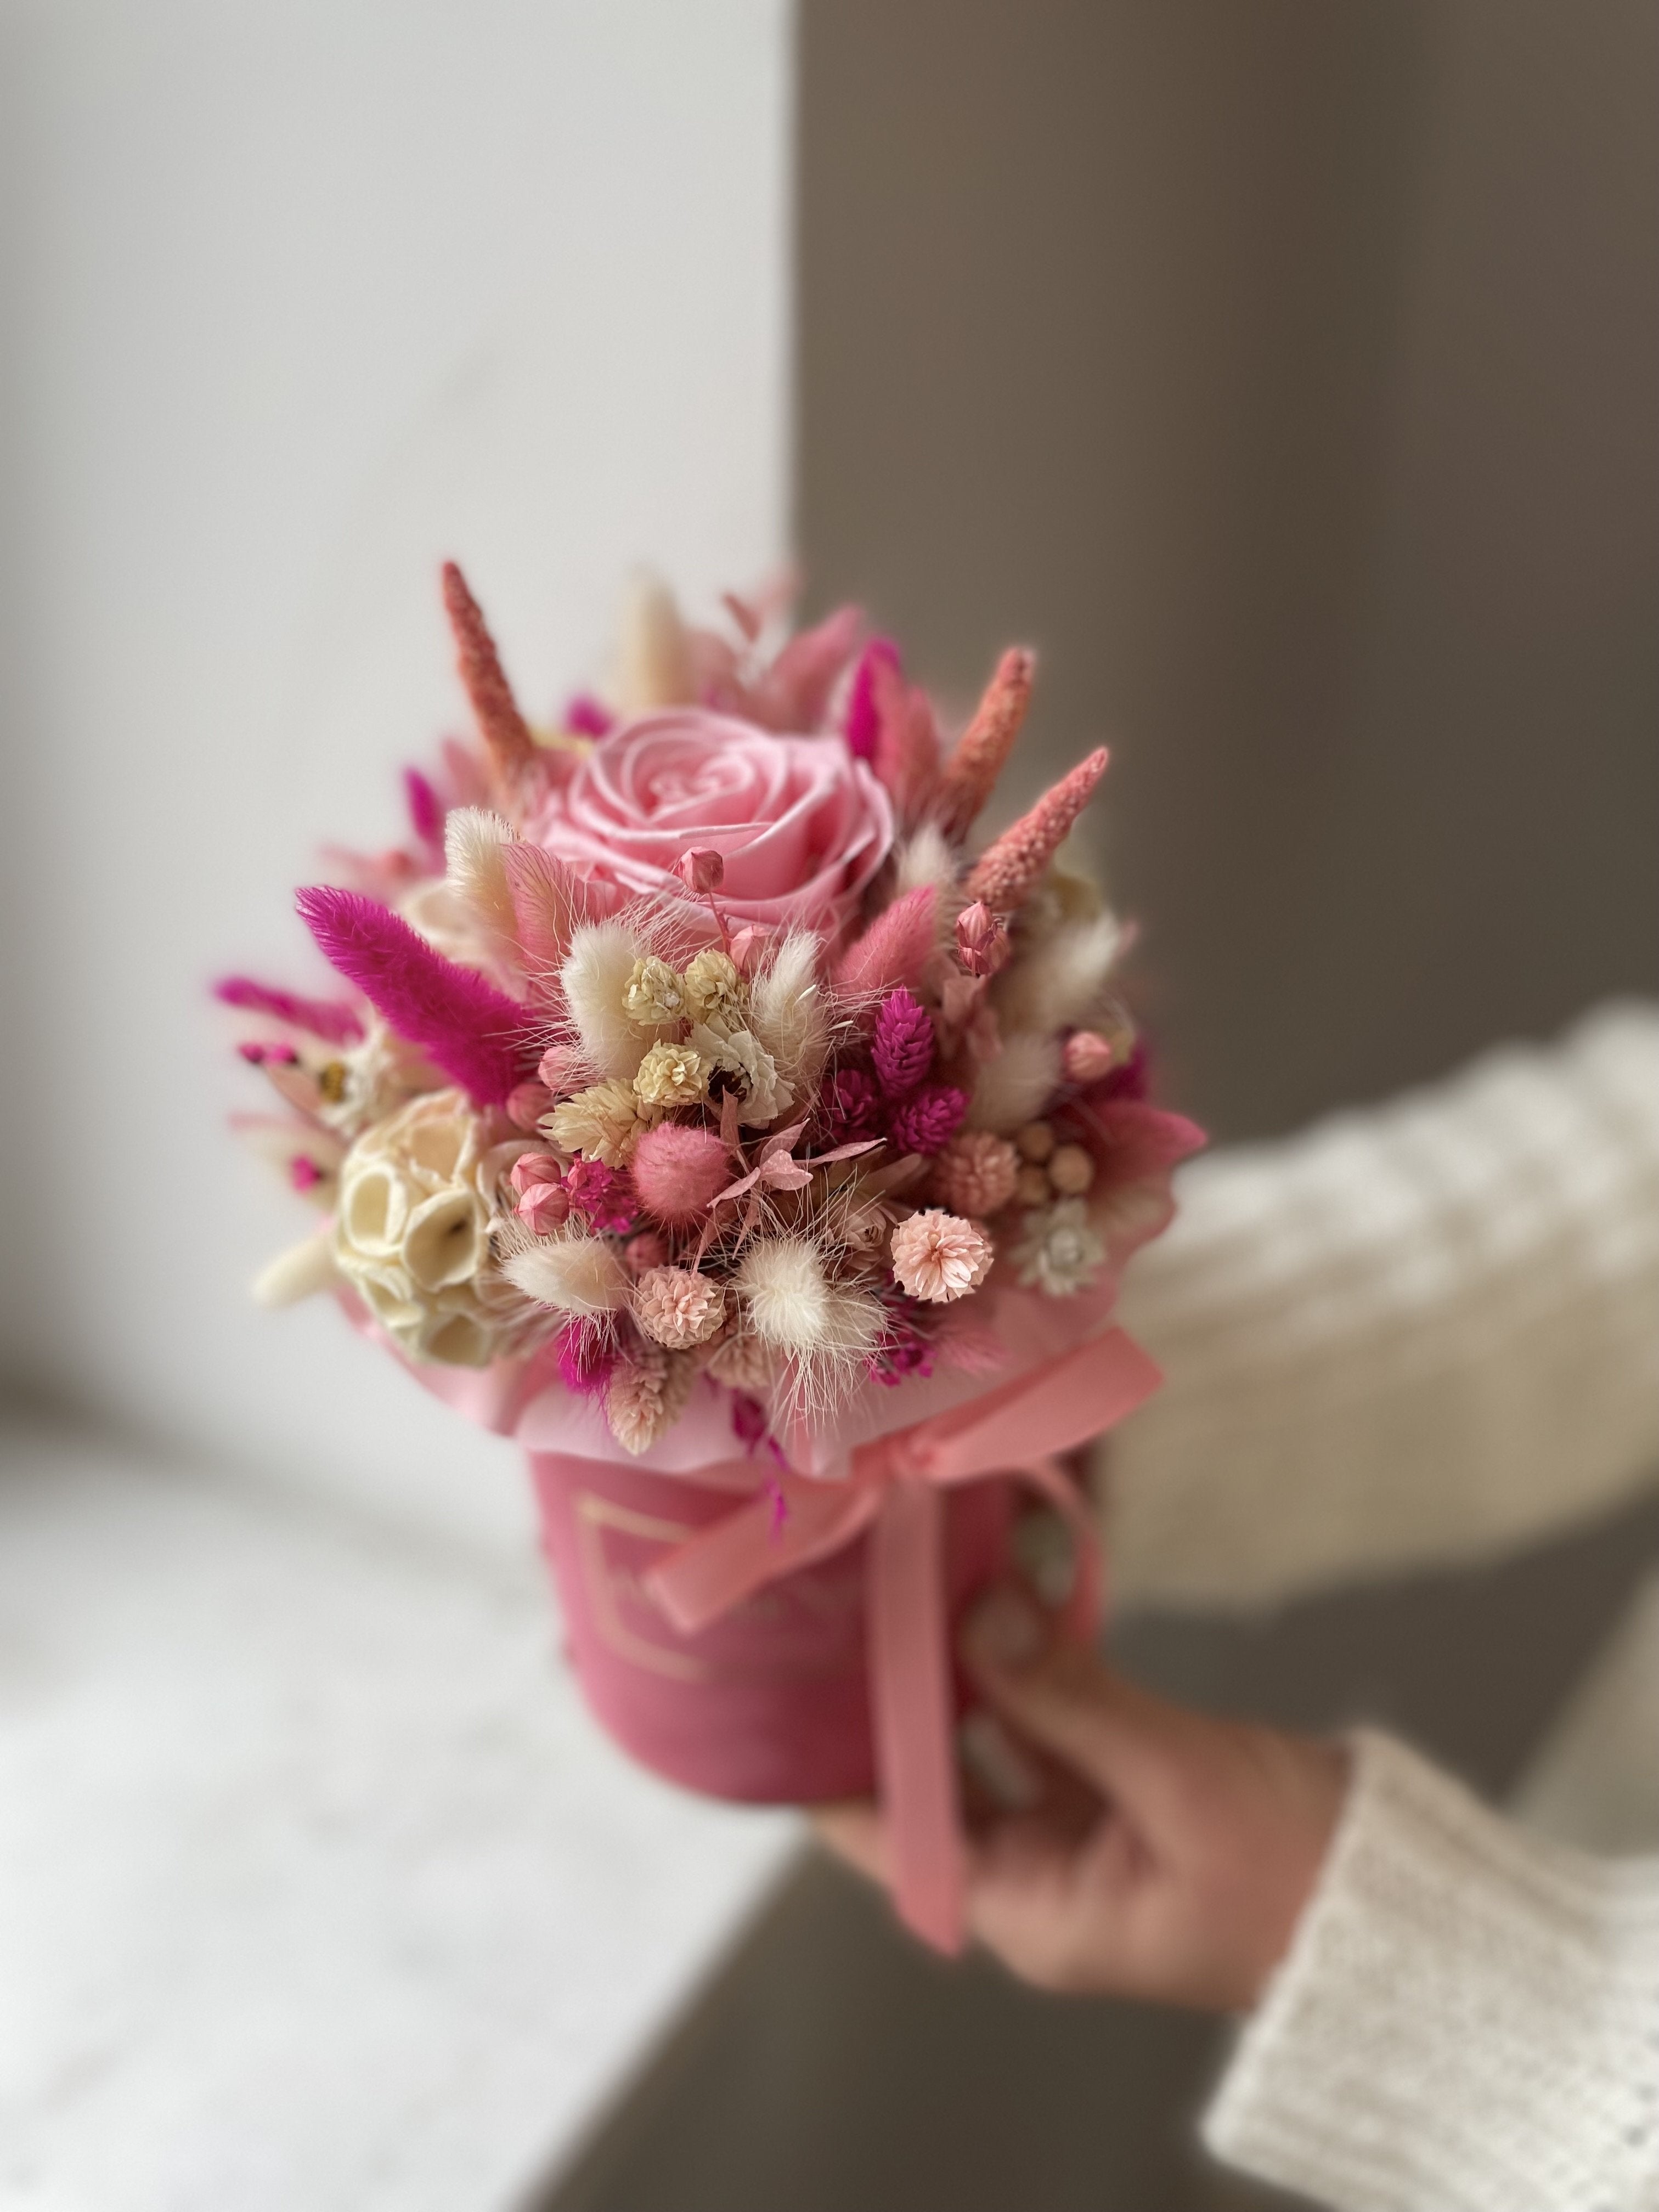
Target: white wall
x,y
300,298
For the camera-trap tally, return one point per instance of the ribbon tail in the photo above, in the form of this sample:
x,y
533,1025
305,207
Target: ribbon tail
x,y
910,1676
717,1569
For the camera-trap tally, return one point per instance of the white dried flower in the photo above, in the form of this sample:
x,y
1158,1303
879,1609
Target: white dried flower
x,y
739,1063
1059,1253
653,997
603,1122
418,1193
581,1275
670,1075
716,994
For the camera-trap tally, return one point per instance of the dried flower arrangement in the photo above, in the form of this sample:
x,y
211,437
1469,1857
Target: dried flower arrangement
x,y
689,1047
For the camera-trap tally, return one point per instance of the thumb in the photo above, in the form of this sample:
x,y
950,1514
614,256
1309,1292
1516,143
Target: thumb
x,y
1062,1697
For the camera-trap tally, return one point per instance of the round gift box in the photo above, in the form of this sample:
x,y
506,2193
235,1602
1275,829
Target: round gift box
x,y
770,1705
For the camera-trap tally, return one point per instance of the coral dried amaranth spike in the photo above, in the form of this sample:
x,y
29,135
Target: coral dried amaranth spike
x,y
502,728
969,775
1008,872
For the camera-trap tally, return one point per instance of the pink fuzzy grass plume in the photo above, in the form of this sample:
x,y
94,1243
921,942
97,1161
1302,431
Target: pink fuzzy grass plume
x,y
328,1018
895,949
471,1030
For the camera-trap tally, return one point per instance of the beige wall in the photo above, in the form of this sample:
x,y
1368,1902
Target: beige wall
x,y
1285,371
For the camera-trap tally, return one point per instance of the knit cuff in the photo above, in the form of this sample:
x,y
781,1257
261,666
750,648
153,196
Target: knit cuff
x,y
1467,2018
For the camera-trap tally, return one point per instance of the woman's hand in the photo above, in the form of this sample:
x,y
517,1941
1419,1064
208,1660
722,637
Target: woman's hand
x,y
1163,1855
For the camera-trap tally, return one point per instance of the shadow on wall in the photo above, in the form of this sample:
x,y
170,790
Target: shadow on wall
x,y
1284,373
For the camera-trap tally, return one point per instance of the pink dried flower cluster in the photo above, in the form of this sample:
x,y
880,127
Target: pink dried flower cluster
x,y
690,1042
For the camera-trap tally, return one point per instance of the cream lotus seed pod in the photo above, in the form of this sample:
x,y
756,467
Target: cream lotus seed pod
x,y
1033,1188
1036,1141
1071,1171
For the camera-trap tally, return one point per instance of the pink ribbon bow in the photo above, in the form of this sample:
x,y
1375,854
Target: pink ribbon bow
x,y
896,1492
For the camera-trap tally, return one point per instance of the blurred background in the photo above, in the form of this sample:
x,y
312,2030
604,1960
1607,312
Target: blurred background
x,y
1283,370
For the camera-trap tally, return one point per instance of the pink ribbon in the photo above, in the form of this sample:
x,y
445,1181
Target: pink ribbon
x,y
896,1492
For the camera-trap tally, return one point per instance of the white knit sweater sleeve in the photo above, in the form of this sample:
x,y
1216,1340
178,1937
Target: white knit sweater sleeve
x,y
1467,2020
1418,1334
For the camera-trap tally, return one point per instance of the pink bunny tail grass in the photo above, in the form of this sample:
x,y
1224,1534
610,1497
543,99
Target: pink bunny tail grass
x,y
969,775
1008,872
905,756
863,723
471,1030
894,950
426,809
550,901
322,1018
501,726
794,692
678,1171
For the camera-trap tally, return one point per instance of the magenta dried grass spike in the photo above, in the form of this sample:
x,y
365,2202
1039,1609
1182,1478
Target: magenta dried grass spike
x,y
902,1048
969,775
1009,870
926,1123
894,950
474,1032
501,726
426,809
587,1356
585,716
863,724
329,1018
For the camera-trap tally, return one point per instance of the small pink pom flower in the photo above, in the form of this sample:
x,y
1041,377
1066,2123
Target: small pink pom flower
x,y
677,1307
926,1123
903,1047
544,1208
938,1257
976,1173
532,1168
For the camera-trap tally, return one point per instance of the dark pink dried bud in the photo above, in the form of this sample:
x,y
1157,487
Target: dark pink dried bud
x,y
926,1123
532,1168
701,871
903,1047
852,1105
982,939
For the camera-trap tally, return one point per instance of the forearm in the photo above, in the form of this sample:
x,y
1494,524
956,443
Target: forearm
x,y
1468,2019
1424,1333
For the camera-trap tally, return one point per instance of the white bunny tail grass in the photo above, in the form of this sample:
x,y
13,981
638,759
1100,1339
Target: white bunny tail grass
x,y
925,858
653,652
581,1275
1059,983
1014,1088
298,1272
475,868
786,1012
594,980
826,1330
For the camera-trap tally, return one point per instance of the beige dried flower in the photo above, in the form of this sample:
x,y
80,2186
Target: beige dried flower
x,y
716,994
743,1361
646,1394
677,1307
670,1075
1032,1186
1036,1141
1071,1171
603,1122
976,1173
938,1257
653,997
739,1063
1060,1252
